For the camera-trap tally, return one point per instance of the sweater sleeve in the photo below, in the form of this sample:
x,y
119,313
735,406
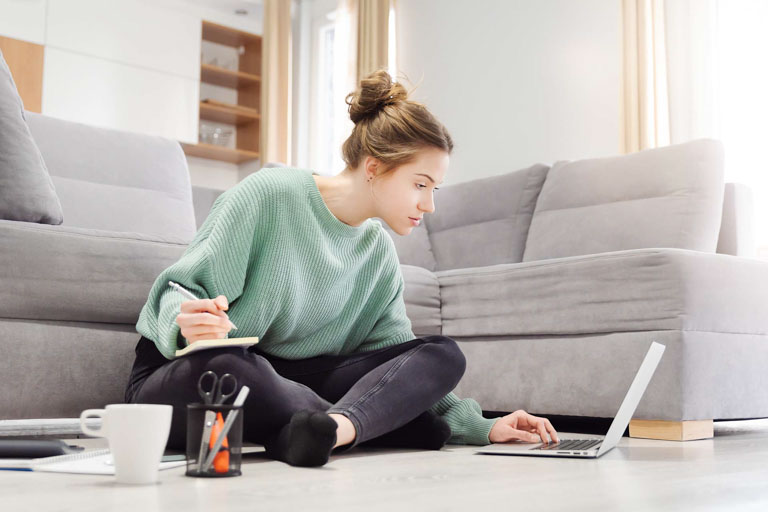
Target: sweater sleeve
x,y
215,263
393,326
468,426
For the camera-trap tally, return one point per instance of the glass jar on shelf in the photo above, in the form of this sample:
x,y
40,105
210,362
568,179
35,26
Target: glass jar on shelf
x,y
215,135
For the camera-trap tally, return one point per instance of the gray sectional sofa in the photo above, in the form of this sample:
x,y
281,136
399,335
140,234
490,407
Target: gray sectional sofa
x,y
554,280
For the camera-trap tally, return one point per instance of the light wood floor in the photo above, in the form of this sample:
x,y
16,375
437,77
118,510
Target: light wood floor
x,y
729,472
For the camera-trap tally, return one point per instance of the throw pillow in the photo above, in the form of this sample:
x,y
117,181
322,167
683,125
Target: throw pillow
x,y
26,190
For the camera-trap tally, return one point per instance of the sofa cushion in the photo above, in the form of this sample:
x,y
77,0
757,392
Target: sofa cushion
x,y
422,300
634,290
77,274
57,369
115,180
26,191
203,199
414,248
664,197
489,215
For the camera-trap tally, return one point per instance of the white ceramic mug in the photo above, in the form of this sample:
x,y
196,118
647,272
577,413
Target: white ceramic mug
x,y
137,434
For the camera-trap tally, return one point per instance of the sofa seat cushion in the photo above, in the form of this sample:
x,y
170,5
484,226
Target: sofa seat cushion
x,y
622,291
413,248
79,274
422,300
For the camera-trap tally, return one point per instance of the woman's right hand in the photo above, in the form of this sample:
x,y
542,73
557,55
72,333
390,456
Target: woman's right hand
x,y
204,319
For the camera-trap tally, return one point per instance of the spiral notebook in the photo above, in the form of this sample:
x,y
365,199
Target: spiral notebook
x,y
94,462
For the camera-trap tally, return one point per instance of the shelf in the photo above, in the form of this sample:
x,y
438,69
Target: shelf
x,y
227,78
226,114
244,112
234,156
216,33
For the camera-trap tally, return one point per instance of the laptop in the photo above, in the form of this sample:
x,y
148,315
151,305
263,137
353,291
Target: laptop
x,y
590,448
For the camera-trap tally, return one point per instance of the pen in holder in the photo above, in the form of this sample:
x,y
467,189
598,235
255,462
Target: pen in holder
x,y
214,439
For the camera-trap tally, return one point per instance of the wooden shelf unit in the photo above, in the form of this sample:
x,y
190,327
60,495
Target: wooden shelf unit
x,y
245,115
229,114
226,77
234,156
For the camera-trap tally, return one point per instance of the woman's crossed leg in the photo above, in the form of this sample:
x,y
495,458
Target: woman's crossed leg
x,y
300,410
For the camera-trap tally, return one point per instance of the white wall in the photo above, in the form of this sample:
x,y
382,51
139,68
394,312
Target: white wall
x,y
24,20
515,81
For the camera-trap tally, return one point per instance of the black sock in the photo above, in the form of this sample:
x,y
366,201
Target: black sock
x,y
427,431
307,440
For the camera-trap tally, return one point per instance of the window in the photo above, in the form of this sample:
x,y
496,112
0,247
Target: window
x,y
322,82
328,120
326,164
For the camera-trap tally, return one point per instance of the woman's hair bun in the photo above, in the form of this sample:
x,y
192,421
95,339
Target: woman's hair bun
x,y
376,91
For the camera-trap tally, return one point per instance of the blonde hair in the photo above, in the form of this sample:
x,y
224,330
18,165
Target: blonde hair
x,y
389,126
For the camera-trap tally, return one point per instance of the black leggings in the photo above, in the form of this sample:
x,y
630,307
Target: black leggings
x,y
379,391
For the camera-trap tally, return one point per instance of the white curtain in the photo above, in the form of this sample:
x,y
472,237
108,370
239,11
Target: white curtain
x,y
361,45
645,109
372,36
693,69
344,74
717,87
275,140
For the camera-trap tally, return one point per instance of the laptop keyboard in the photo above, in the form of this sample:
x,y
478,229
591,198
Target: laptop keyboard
x,y
570,444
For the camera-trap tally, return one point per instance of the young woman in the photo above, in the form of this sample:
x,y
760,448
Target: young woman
x,y
295,259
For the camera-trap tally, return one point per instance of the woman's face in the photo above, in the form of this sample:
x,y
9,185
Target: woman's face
x,y
406,193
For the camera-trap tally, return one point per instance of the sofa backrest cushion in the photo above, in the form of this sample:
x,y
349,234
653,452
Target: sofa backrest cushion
x,y
414,248
484,221
203,199
117,180
663,197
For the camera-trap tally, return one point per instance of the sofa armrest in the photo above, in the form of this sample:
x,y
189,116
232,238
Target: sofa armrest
x,y
736,229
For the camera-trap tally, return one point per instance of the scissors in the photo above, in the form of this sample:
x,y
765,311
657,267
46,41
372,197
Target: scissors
x,y
214,394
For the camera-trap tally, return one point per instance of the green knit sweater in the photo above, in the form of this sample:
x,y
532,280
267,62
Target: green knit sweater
x,y
297,277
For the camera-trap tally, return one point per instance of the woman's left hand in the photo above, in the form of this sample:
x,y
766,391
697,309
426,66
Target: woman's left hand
x,y
523,426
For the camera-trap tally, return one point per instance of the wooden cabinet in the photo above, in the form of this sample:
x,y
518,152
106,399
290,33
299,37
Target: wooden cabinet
x,y
245,114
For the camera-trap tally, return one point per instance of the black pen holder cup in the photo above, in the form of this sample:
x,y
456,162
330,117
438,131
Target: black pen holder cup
x,y
227,460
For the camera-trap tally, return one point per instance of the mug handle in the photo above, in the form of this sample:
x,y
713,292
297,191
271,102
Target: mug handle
x,y
99,413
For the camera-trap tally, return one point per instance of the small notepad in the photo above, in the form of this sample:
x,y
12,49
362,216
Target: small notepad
x,y
94,462
218,343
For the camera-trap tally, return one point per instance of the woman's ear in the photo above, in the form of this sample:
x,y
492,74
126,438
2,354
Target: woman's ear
x,y
372,167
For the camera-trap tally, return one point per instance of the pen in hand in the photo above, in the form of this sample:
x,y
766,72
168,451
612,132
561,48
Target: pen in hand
x,y
189,295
